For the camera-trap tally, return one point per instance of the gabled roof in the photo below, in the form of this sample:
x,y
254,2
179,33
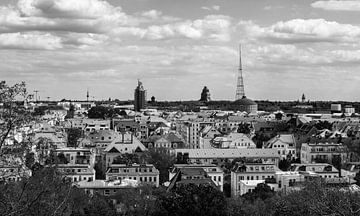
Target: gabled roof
x,y
126,145
287,139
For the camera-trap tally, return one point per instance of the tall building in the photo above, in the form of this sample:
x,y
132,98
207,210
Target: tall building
x,y
139,97
205,94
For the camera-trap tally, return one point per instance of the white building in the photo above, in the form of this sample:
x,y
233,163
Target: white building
x,y
285,144
247,186
324,170
323,152
141,173
125,143
233,140
243,174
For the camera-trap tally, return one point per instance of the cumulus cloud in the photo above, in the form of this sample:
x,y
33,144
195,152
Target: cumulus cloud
x,y
301,31
97,21
30,40
215,28
211,8
347,5
84,9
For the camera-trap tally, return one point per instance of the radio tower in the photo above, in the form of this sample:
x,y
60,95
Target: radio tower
x,y
240,92
87,95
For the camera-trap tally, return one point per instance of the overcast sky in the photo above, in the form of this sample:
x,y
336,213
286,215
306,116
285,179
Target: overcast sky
x,y
290,47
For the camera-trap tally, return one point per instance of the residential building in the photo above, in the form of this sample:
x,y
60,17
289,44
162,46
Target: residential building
x,y
194,132
193,175
248,186
243,174
169,141
77,164
100,139
324,170
77,172
285,144
77,155
125,143
87,125
323,153
206,135
215,173
105,188
12,169
233,140
142,173
216,156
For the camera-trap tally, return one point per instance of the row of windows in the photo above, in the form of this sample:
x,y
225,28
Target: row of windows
x,y
141,178
218,179
254,177
128,170
84,178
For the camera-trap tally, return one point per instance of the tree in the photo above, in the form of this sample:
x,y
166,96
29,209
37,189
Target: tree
x,y
321,125
357,178
100,112
126,159
284,164
318,199
244,128
13,114
191,199
162,160
73,135
71,112
262,191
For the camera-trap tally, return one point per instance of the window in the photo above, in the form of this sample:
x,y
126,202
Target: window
x,y
107,192
141,179
145,179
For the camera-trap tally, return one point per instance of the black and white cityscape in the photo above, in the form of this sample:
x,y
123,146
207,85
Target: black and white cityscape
x,y
181,108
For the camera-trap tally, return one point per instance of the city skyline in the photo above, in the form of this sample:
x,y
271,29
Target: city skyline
x,y
177,47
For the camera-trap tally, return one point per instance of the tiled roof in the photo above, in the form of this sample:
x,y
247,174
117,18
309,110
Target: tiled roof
x,y
229,153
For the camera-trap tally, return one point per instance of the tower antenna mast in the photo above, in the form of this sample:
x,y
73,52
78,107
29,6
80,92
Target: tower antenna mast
x,y
240,90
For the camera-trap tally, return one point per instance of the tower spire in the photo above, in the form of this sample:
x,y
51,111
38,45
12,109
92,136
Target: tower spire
x,y
240,91
87,95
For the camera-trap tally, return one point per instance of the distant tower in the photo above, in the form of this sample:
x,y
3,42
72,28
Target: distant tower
x,y
139,97
303,98
240,92
205,94
87,95
153,100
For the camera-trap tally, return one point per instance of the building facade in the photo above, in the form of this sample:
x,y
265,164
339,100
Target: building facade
x,y
139,97
142,173
323,153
